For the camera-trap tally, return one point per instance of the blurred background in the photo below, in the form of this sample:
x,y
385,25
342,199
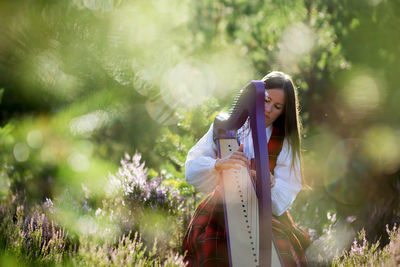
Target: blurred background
x,y
100,101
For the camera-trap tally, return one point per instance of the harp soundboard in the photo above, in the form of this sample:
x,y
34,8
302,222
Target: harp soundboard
x,y
241,213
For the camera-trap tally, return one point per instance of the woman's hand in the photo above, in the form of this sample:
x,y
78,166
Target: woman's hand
x,y
253,173
234,160
272,179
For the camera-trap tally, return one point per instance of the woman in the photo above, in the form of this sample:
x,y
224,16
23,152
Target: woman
x,y
205,240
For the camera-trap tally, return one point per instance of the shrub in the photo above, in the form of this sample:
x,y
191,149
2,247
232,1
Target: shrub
x,y
129,251
364,254
32,237
41,234
146,205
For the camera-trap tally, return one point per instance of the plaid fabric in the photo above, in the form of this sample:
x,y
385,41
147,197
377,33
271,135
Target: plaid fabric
x,y
205,240
290,240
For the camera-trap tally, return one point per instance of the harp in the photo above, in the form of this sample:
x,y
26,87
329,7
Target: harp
x,y
247,204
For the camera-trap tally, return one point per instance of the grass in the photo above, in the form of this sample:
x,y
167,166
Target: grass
x,y
141,223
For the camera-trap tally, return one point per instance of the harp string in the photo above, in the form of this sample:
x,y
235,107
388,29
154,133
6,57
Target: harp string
x,y
251,201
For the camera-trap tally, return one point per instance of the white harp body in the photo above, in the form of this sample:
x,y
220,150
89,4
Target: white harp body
x,y
241,214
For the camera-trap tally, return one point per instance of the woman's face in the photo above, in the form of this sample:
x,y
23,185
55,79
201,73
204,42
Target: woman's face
x,y
273,105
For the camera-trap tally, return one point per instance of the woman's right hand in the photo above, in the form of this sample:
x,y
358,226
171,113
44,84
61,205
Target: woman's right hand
x,y
234,160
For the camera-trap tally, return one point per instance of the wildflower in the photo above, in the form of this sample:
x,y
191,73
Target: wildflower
x,y
48,204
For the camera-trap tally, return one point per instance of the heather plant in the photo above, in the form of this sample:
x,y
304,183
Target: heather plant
x,y
75,229
133,202
128,251
146,205
138,188
362,253
28,234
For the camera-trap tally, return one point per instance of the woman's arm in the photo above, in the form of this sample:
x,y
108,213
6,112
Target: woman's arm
x,y
200,163
287,180
202,167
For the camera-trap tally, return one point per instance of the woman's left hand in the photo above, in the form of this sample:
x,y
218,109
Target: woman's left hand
x,y
253,173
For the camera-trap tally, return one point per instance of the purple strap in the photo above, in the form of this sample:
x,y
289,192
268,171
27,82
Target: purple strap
x,y
263,186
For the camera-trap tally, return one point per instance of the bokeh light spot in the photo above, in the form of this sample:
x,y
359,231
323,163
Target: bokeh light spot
x,y
346,170
48,154
48,70
188,84
78,162
103,5
87,123
360,97
384,151
290,52
232,70
21,152
374,2
35,139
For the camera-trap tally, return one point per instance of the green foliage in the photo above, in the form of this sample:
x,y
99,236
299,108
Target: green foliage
x,y
364,254
142,204
83,82
175,142
32,239
129,251
48,233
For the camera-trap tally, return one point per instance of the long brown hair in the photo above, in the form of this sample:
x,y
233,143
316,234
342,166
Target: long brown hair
x,y
289,121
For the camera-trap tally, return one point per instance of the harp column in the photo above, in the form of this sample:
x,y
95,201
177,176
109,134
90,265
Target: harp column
x,y
263,186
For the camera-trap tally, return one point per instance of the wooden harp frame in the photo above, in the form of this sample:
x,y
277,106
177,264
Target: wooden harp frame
x,y
250,104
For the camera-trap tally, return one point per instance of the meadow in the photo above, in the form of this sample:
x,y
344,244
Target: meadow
x,y
101,100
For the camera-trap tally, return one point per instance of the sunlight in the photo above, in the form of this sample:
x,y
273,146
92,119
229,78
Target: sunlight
x,y
48,68
330,244
103,5
147,23
232,69
360,97
90,122
102,102
85,223
291,51
188,84
150,67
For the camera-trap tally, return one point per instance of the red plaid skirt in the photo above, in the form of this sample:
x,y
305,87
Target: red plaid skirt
x,y
205,240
